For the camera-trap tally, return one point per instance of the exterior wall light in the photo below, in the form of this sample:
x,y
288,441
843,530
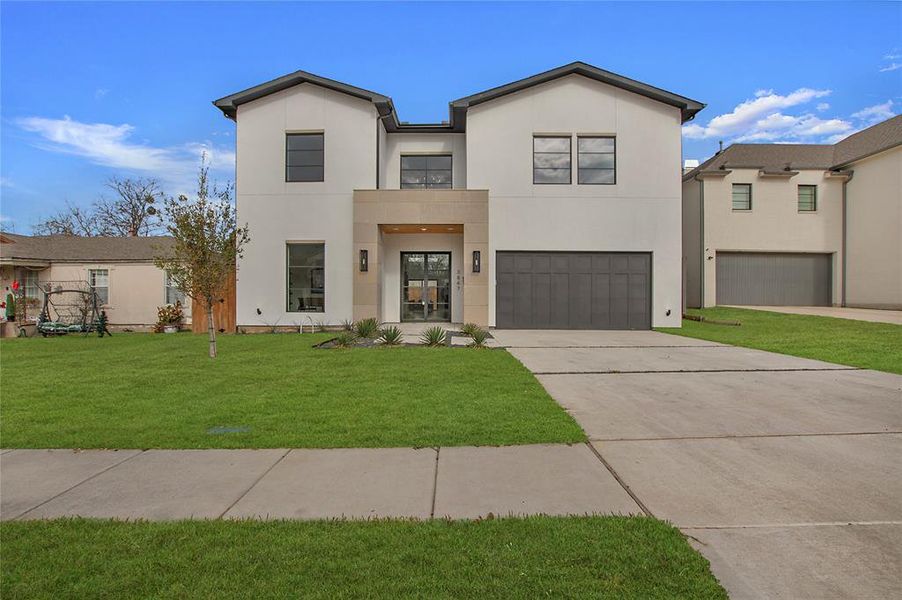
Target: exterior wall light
x,y
364,261
477,261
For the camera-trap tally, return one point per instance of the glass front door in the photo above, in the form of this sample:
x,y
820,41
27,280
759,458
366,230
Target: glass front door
x,y
425,286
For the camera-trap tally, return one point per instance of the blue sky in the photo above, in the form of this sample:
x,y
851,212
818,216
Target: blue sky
x,y
92,90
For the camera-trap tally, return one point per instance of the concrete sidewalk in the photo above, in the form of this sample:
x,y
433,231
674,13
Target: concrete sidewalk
x,y
456,482
874,315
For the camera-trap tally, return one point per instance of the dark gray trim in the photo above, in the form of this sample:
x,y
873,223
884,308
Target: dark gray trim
x,y
687,106
457,109
578,168
426,185
569,138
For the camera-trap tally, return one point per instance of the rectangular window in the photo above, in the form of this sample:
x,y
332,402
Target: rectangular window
x,y
551,159
173,293
31,285
596,160
807,198
99,280
742,196
426,171
306,278
304,157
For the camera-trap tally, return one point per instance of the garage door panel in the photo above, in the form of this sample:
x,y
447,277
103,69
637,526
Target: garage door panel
x,y
774,279
573,290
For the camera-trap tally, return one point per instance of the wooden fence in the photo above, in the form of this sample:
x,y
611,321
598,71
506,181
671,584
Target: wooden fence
x,y
223,312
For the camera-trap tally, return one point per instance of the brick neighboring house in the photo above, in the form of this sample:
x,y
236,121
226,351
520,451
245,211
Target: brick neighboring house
x,y
121,270
797,224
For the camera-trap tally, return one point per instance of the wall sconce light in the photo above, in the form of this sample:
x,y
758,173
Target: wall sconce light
x,y
477,261
364,261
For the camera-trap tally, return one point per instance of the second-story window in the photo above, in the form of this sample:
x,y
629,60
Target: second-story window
x,y
807,198
742,196
426,171
596,160
551,159
304,157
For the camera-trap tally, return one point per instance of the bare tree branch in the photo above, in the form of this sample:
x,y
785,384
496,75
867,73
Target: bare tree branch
x,y
72,220
132,212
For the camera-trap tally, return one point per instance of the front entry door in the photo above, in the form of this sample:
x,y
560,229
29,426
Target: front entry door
x,y
425,286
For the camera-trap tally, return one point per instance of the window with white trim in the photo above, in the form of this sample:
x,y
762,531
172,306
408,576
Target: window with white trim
x,y
99,279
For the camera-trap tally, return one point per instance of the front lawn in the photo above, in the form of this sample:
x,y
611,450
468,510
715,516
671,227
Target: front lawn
x,y
842,341
582,557
266,391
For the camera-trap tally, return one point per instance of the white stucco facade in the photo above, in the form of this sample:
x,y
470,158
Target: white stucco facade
x,y
491,155
641,212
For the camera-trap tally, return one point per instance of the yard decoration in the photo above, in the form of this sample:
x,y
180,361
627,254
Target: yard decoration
x,y
70,307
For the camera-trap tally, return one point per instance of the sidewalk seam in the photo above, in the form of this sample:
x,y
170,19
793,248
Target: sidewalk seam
x,y
254,484
622,483
438,449
69,489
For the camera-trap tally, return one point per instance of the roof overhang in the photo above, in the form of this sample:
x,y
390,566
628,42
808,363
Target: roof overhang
x,y
712,174
457,109
777,173
24,262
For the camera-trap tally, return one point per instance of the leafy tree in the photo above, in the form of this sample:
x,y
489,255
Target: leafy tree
x,y
208,242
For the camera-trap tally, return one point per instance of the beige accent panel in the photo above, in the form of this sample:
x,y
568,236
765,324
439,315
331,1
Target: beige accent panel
x,y
465,208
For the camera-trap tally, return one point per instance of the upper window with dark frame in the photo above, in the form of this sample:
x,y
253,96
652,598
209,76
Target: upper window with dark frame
x,y
596,158
551,158
426,171
807,198
742,196
304,158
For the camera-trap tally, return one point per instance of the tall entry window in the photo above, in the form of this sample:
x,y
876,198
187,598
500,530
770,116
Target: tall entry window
x,y
426,171
304,157
425,286
306,278
551,159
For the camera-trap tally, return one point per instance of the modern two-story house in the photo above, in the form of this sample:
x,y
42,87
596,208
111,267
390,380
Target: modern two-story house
x,y
797,224
549,202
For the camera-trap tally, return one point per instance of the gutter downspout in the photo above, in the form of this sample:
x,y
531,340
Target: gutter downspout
x,y
845,212
701,241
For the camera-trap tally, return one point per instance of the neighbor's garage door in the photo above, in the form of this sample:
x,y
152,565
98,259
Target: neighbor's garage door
x,y
573,290
774,279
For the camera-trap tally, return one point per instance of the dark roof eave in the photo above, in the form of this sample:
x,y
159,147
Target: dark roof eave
x,y
688,107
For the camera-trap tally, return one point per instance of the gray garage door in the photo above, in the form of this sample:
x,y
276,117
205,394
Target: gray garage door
x,y
573,290
774,279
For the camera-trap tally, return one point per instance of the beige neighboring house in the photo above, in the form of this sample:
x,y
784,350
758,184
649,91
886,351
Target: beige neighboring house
x,y
121,270
797,224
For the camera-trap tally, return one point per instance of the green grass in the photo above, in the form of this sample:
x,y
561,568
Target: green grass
x,y
162,391
583,557
855,343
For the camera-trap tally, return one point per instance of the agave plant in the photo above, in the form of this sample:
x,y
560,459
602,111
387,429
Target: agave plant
x,y
469,328
390,336
345,339
347,325
479,336
433,336
367,328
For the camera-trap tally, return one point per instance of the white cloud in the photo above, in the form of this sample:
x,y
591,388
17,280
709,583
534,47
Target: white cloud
x,y
891,67
100,93
6,182
111,146
874,114
762,119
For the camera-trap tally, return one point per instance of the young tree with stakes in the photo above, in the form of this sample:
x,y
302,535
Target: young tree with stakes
x,y
207,243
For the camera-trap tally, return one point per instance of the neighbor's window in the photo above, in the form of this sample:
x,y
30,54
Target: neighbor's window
x,y
304,157
807,198
742,196
426,171
173,293
31,285
551,159
596,160
99,279
306,278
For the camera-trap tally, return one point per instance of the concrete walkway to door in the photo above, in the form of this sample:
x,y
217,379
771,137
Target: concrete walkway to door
x,y
783,471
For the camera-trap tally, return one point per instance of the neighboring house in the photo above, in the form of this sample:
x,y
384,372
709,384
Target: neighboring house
x,y
550,202
797,224
120,269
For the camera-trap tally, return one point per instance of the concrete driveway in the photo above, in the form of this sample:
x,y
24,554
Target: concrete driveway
x,y
784,472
